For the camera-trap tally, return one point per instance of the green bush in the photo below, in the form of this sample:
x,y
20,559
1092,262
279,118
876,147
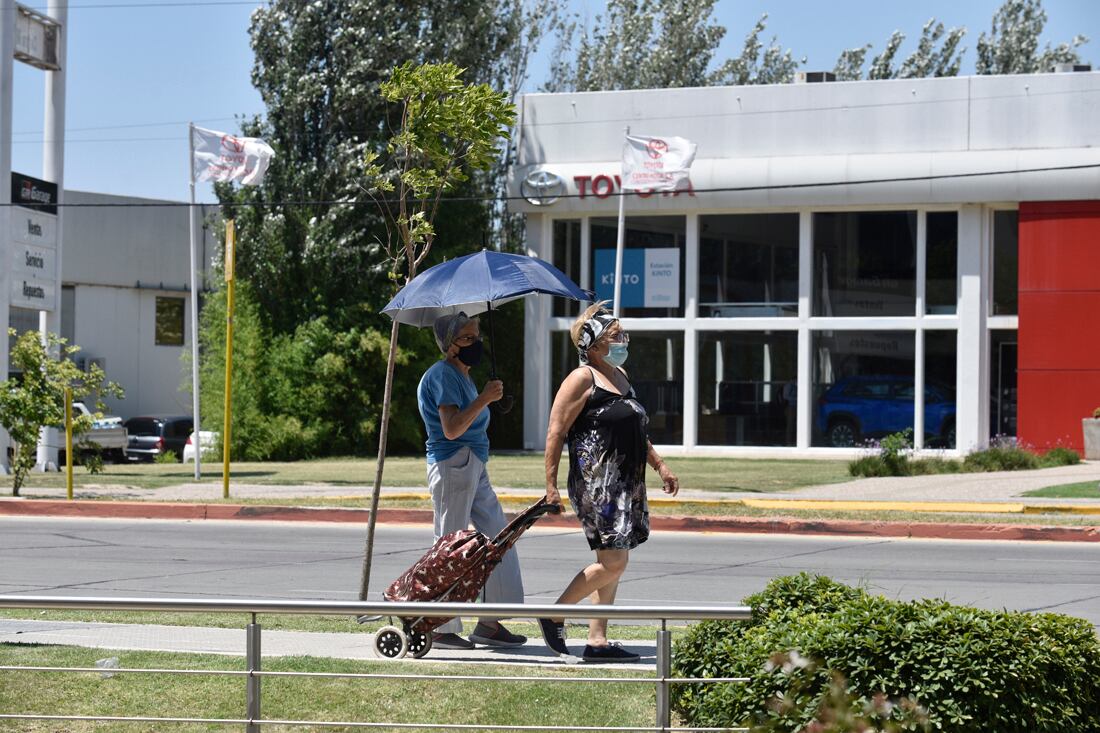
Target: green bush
x,y
167,457
1060,456
1000,457
966,669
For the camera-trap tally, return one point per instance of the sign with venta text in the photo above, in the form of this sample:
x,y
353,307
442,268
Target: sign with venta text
x,y
34,266
651,277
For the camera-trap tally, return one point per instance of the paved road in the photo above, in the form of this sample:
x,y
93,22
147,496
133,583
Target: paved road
x,y
100,557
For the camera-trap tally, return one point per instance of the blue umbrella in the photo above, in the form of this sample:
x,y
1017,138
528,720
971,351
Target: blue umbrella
x,y
477,283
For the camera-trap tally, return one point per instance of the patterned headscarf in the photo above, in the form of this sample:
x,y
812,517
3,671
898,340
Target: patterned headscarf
x,y
446,328
591,331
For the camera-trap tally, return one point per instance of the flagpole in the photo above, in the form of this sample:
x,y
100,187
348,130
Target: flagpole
x,y
619,243
230,254
194,305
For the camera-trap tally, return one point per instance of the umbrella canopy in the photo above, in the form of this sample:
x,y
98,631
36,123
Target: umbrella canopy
x,y
477,283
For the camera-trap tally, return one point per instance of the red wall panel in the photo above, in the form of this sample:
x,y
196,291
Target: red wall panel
x,y
1059,336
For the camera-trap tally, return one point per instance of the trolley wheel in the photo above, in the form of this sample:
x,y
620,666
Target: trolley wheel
x,y
390,642
420,643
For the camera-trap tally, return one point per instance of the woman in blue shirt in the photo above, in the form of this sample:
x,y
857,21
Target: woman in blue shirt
x,y
456,416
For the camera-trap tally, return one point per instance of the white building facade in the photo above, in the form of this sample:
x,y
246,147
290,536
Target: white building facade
x,y
850,260
125,296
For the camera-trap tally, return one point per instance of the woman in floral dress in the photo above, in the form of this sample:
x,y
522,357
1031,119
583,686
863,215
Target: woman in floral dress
x,y
598,414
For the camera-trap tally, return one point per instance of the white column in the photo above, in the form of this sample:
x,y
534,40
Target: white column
x,y
53,170
918,346
972,388
536,364
7,64
804,416
691,347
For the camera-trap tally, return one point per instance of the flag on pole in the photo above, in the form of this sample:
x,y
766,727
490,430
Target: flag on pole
x,y
656,163
219,156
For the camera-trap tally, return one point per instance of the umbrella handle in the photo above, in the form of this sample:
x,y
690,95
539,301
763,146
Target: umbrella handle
x,y
505,404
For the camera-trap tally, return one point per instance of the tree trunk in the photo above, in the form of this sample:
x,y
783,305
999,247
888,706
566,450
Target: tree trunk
x,y
364,581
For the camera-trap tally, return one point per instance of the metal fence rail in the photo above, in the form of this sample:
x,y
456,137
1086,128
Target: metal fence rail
x,y
254,674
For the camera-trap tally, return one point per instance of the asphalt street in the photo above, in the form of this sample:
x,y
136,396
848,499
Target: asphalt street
x,y
275,560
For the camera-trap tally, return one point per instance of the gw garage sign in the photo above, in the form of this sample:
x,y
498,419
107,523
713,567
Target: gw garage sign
x,y
34,270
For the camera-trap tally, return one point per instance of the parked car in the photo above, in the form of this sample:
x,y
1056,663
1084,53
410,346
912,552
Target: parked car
x,y
856,408
154,435
208,440
107,433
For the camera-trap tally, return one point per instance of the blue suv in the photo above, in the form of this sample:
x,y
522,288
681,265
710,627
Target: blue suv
x,y
855,408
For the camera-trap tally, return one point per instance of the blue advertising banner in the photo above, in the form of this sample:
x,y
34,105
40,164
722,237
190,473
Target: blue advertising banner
x,y
651,277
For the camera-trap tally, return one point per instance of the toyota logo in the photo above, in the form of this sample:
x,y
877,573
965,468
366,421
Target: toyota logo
x,y
656,148
232,144
541,187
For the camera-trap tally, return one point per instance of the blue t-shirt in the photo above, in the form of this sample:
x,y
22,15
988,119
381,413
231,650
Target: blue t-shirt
x,y
444,384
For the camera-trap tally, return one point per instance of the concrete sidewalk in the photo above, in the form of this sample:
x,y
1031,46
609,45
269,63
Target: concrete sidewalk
x,y
231,642
961,488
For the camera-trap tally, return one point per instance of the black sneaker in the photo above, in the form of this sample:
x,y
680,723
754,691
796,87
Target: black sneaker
x,y
451,641
498,637
553,634
613,652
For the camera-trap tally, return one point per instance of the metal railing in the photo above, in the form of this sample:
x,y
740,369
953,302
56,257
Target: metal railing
x,y
254,674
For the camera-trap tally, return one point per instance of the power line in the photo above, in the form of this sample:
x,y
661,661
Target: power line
x,y
489,199
177,4
127,127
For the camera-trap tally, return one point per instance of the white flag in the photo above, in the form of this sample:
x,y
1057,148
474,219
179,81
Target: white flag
x,y
656,163
220,156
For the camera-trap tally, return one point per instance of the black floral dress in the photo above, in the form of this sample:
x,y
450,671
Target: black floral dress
x,y
608,445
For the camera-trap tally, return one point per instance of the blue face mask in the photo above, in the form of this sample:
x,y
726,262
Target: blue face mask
x,y
616,354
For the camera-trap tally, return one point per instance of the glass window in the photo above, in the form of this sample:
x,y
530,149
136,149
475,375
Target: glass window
x,y
1006,263
940,359
863,385
1002,364
169,327
748,265
941,258
656,369
865,263
567,258
653,264
747,388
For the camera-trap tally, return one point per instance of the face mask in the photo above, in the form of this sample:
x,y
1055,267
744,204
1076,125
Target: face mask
x,y
471,355
616,354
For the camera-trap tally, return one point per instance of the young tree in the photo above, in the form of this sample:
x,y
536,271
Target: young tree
x,y
1012,46
446,129
37,399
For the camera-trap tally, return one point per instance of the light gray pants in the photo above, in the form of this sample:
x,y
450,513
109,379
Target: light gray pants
x,y
461,494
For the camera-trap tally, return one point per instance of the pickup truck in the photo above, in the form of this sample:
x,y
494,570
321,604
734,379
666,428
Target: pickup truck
x,y
107,432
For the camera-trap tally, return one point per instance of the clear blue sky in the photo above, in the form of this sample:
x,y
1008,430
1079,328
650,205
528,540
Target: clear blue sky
x,y
136,75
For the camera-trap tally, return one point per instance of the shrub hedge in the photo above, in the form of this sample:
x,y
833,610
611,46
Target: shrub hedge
x,y
962,669
890,461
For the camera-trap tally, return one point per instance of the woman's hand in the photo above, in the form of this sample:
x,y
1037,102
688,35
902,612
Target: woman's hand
x,y
668,478
494,390
552,496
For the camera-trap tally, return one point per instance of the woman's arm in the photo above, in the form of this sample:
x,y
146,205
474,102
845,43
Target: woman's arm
x,y
668,478
456,422
568,403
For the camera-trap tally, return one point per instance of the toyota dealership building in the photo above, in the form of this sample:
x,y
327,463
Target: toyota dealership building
x,y
850,259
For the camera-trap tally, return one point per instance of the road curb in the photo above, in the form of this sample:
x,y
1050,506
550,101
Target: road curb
x,y
745,525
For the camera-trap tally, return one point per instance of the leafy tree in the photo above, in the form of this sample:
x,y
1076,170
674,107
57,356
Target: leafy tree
x,y
650,44
447,128
926,60
36,399
1012,46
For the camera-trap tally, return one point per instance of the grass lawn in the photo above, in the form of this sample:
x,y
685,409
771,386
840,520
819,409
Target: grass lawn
x,y
1082,490
362,700
507,470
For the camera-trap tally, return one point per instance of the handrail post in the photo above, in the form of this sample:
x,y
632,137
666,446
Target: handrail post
x,y
252,690
664,669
